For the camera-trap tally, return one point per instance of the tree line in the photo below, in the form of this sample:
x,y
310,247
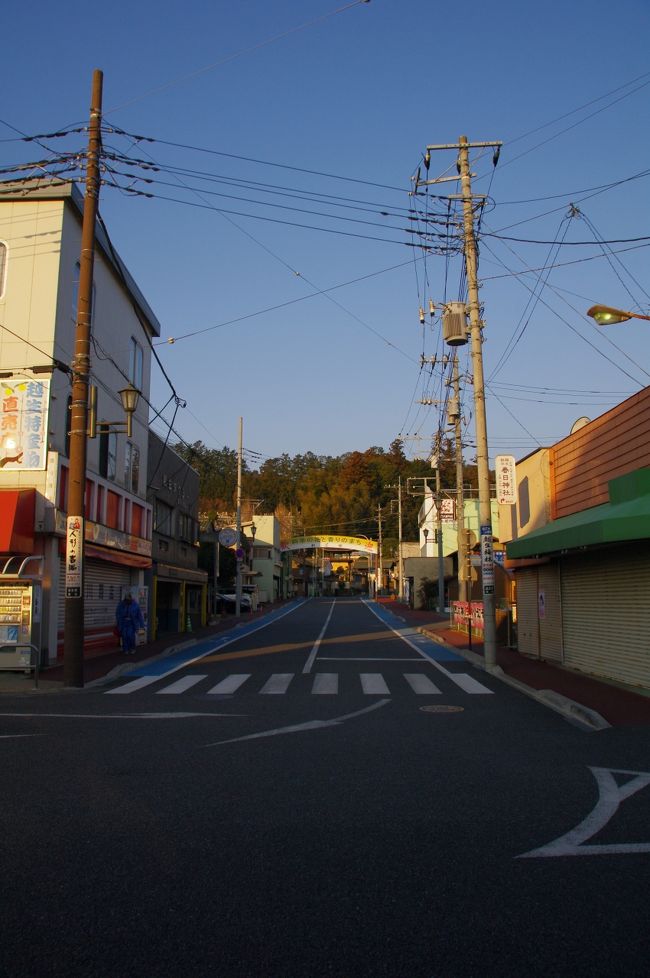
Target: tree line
x,y
313,494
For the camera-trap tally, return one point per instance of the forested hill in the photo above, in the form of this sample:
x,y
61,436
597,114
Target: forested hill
x,y
322,494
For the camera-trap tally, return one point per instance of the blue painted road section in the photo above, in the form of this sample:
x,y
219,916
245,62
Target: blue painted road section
x,y
431,648
209,645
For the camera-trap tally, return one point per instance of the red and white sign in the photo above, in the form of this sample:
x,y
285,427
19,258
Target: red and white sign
x,y
74,557
506,480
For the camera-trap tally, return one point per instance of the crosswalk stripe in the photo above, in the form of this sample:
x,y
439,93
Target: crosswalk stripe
x,y
277,684
373,684
326,683
420,683
133,685
186,682
469,685
230,684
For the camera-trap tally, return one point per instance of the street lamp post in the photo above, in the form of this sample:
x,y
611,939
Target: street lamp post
x,y
608,316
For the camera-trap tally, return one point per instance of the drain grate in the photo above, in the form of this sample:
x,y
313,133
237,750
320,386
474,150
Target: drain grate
x,y
441,708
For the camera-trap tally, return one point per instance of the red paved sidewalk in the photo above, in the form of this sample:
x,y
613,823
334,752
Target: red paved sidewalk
x,y
618,706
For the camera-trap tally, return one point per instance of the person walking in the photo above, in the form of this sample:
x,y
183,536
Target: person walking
x,y
129,619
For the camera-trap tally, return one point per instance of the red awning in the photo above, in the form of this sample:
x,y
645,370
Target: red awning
x,y
17,509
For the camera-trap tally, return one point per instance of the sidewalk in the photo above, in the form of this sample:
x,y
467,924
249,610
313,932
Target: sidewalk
x,y
101,663
563,689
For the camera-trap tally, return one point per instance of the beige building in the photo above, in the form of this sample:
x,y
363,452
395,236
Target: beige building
x,y
40,240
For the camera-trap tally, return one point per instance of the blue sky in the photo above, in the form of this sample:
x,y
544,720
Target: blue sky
x,y
357,91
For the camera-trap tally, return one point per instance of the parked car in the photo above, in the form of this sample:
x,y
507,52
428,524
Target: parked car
x,y
227,601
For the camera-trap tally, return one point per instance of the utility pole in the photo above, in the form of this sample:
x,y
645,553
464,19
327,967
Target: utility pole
x,y
482,458
400,575
73,647
441,556
460,496
239,551
379,556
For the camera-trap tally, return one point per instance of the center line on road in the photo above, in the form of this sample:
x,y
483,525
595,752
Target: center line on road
x,y
314,652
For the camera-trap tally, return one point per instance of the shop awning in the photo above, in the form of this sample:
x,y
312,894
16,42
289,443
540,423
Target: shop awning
x,y
625,517
116,556
17,508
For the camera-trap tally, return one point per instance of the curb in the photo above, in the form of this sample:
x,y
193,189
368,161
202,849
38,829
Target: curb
x,y
569,709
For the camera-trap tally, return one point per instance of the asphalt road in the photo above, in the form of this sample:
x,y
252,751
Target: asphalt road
x,y
318,794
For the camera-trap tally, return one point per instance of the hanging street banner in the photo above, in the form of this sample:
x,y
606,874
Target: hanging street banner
x,y
487,560
506,480
361,544
23,424
73,557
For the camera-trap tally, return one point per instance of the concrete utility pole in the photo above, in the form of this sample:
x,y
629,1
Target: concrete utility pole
x,y
400,575
441,557
73,642
460,496
379,555
482,457
239,550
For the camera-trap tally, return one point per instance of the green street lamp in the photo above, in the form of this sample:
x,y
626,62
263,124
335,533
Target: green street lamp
x,y
607,316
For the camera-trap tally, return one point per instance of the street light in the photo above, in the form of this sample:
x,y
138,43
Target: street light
x,y
425,534
607,316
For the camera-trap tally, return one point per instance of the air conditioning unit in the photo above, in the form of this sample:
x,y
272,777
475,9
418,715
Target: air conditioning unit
x,y
454,324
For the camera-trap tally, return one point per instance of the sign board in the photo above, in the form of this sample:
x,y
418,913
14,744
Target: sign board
x,y
506,480
447,510
487,561
73,557
23,424
227,536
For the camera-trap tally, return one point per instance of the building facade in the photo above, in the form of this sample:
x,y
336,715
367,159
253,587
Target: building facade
x,y
40,241
583,574
177,588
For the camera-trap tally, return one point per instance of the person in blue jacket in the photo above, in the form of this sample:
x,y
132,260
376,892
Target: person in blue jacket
x,y
129,619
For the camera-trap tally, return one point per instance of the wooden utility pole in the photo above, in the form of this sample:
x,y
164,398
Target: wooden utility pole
x,y
482,459
73,647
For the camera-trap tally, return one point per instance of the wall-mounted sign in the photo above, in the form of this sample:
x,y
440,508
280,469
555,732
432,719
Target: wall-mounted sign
x,y
23,424
506,479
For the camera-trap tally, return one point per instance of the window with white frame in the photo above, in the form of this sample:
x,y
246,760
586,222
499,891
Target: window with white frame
x,y
132,466
135,364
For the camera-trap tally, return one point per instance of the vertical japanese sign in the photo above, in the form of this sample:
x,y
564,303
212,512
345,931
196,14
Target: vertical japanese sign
x,y
23,424
73,557
506,479
487,560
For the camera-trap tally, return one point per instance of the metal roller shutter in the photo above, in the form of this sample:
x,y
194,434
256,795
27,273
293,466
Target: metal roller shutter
x,y
607,613
550,619
527,624
103,583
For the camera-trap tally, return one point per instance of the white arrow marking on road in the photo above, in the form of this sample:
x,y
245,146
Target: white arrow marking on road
x,y
299,727
610,797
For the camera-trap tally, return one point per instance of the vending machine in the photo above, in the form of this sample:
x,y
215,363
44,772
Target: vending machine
x,y
20,620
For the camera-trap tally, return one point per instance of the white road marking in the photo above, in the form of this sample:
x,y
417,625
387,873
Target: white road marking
x,y
610,796
230,684
185,682
326,683
277,684
374,684
302,727
461,679
119,716
470,685
314,652
16,736
420,683
134,685
373,658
